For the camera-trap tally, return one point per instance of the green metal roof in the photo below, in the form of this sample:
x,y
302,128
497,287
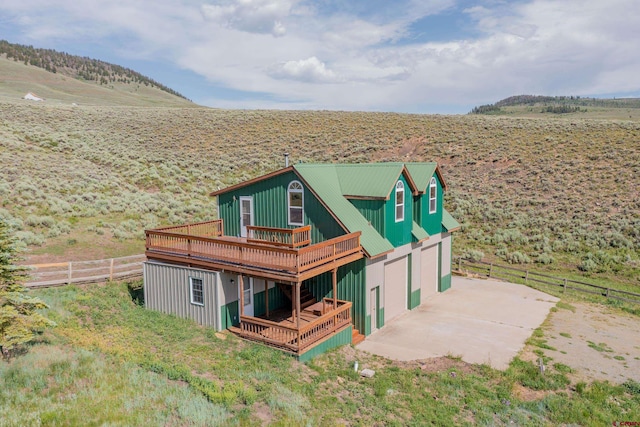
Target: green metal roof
x,y
421,174
334,183
448,222
374,180
418,232
324,181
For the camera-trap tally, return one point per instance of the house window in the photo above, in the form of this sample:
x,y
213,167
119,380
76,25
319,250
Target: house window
x,y
296,203
433,193
196,290
399,201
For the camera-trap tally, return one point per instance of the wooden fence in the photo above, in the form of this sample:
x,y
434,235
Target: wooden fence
x,y
62,273
529,277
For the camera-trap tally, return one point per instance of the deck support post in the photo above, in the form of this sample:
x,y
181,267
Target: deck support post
x,y
298,304
293,302
298,313
334,279
266,295
241,286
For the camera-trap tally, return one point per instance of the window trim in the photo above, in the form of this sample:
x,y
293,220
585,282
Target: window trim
x,y
191,283
399,189
290,191
433,198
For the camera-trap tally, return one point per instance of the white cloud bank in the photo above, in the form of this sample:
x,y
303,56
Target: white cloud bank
x,y
309,70
296,54
254,16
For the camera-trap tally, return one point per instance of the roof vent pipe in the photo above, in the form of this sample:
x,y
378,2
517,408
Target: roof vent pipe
x,y
286,160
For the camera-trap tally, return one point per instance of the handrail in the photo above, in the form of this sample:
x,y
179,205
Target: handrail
x,y
239,252
266,322
342,306
291,337
290,237
213,228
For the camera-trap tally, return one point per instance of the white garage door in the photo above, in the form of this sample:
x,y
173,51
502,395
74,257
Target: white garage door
x,y
395,288
428,272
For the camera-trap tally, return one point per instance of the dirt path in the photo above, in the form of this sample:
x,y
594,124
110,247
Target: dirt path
x,y
598,342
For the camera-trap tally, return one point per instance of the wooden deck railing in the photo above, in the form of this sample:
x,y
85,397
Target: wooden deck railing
x,y
213,228
238,252
291,338
292,238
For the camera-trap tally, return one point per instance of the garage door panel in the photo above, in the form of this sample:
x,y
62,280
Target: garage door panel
x,y
428,272
446,256
395,292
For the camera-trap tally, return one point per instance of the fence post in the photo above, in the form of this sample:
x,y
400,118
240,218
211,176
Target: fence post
x,y
70,272
565,286
460,264
526,276
490,269
607,293
111,270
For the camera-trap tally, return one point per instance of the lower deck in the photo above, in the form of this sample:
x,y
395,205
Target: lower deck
x,y
297,333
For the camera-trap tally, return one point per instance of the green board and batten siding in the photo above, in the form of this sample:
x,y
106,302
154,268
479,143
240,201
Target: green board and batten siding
x,y
270,208
373,211
277,299
432,222
399,233
339,339
351,284
229,315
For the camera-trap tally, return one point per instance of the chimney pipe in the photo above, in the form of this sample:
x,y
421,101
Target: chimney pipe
x,y
286,160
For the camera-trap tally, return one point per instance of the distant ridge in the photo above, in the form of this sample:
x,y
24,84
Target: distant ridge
x,y
77,67
556,104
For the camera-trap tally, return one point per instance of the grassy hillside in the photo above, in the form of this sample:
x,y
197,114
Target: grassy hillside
x,y
17,79
113,362
565,106
84,182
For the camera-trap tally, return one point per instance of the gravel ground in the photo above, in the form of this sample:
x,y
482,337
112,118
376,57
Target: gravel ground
x,y
598,342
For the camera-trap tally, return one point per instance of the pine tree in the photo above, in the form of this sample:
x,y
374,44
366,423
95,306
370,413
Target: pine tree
x,y
19,317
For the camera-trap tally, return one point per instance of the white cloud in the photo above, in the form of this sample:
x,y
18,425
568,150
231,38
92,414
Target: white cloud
x,y
310,70
254,16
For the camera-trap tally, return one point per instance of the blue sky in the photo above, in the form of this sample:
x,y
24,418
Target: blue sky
x,y
429,56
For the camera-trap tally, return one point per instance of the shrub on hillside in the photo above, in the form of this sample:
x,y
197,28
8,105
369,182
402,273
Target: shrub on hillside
x,y
518,257
473,255
544,258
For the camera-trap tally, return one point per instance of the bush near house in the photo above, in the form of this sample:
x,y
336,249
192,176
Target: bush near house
x,y
19,316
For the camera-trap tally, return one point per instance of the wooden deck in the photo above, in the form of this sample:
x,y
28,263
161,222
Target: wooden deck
x,y
282,255
280,329
207,247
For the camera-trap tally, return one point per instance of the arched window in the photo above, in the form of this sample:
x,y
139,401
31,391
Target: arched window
x,y
433,196
399,201
295,203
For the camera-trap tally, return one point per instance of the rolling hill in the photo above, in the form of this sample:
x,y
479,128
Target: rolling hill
x,y
66,79
568,106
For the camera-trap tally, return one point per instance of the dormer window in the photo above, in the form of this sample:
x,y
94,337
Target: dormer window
x,y
399,201
295,203
433,196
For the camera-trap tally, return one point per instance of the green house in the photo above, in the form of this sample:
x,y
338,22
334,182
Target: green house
x,y
310,256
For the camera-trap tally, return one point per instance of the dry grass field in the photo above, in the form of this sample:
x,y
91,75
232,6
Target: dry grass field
x,y
85,181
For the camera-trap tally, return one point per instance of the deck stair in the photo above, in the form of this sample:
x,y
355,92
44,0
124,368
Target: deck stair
x,y
356,336
306,298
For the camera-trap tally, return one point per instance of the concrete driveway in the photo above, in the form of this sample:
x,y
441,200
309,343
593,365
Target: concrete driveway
x,y
482,321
